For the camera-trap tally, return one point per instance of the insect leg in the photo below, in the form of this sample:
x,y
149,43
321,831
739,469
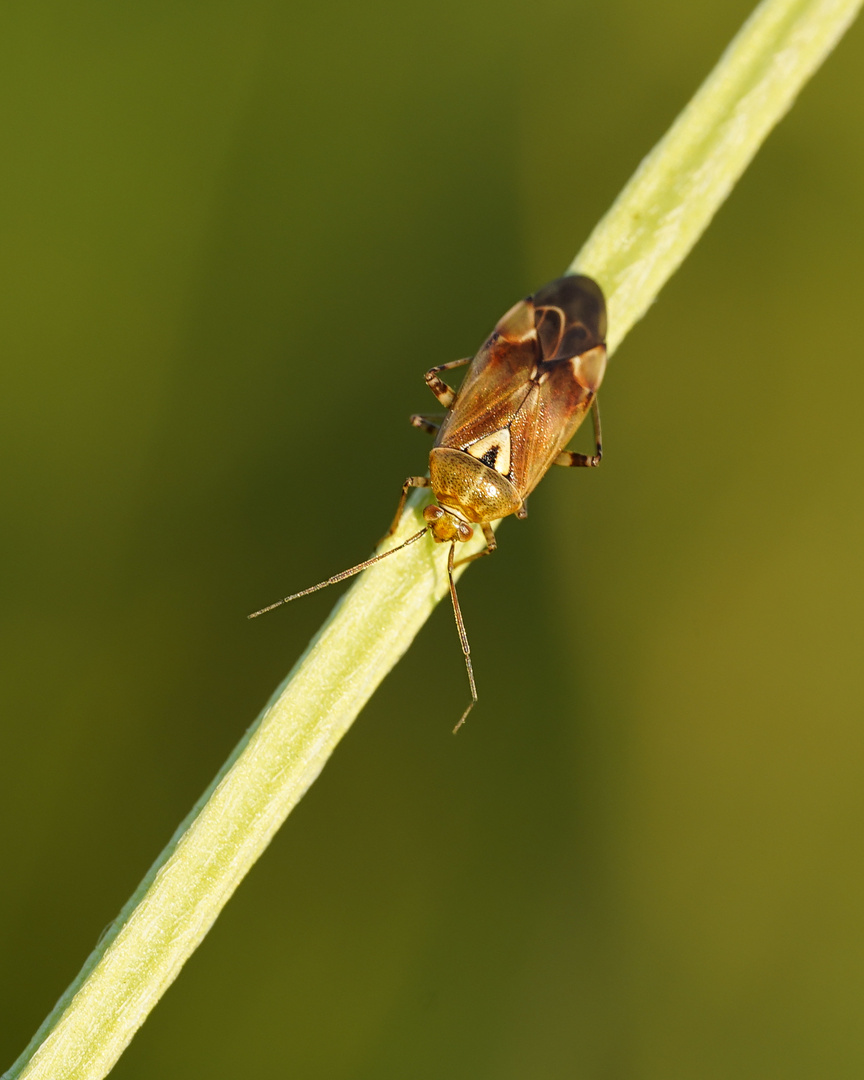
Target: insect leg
x,y
463,638
445,394
491,544
568,457
425,423
411,482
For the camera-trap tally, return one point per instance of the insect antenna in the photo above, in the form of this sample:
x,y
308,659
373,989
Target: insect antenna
x,y
345,574
463,637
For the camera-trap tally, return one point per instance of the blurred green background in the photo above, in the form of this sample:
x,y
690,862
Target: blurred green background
x,y
233,238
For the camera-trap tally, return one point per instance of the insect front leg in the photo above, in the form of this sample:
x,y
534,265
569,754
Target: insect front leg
x,y
445,394
491,544
569,457
411,482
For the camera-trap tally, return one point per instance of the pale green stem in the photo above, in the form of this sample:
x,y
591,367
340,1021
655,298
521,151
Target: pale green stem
x,y
633,251
675,192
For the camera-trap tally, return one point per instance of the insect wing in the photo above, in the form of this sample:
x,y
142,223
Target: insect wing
x,y
570,317
497,382
570,321
532,383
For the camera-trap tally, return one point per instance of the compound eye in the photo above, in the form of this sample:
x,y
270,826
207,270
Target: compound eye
x,y
433,513
465,532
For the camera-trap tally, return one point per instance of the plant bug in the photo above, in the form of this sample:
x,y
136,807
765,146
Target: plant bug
x,y
526,392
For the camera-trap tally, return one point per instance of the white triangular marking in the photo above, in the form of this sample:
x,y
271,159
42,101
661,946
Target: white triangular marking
x,y
499,441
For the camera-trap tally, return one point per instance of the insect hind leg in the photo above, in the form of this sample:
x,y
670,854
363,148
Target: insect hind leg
x,y
572,459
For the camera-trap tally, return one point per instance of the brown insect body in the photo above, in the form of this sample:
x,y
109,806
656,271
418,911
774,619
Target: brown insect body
x,y
526,392
524,395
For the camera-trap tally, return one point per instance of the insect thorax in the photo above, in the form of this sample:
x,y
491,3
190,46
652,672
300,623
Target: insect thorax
x,y
477,492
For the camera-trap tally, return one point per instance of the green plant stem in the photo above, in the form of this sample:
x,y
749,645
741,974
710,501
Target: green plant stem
x,y
675,192
632,253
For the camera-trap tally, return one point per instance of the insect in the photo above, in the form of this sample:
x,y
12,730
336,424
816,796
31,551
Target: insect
x,y
526,392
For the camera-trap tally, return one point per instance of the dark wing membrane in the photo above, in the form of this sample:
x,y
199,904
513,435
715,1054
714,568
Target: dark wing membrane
x,y
570,317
